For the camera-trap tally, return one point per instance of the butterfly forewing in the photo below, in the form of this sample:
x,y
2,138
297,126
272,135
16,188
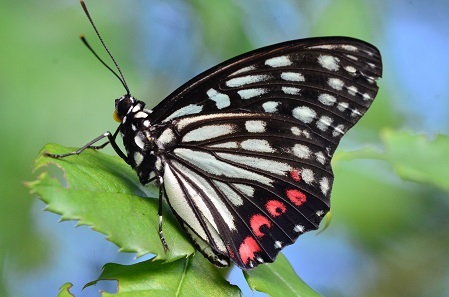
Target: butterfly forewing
x,y
327,83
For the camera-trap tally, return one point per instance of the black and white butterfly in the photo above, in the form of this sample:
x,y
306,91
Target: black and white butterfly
x,y
242,152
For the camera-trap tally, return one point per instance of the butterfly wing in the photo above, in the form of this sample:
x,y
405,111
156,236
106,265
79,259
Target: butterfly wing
x,y
248,143
327,83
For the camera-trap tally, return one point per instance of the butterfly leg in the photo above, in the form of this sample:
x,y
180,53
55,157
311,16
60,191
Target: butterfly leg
x,y
111,139
159,211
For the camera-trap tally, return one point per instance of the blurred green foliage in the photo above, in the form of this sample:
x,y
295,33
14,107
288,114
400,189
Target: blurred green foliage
x,y
52,89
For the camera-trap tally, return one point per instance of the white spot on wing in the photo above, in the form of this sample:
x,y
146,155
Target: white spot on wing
x,y
299,228
350,69
295,130
301,151
257,145
336,83
291,90
342,106
292,76
324,46
245,80
329,62
278,61
268,165
366,96
300,132
250,93
270,106
355,113
221,100
338,130
186,110
350,48
307,176
304,114
182,123
352,90
327,99
277,244
320,157
324,122
255,126
370,79
230,145
208,132
244,69
324,185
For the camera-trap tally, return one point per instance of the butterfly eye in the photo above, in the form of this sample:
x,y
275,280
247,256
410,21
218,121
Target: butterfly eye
x,y
122,106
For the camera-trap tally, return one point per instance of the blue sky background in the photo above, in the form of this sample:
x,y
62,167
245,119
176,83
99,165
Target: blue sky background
x,y
50,95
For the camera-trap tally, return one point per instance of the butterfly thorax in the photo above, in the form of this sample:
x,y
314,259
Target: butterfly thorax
x,y
139,138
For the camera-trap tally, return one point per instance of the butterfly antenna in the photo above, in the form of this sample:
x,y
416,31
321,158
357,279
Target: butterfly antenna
x,y
83,39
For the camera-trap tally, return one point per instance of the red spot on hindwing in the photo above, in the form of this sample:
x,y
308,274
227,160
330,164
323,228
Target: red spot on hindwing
x,y
295,174
257,221
275,208
247,249
296,196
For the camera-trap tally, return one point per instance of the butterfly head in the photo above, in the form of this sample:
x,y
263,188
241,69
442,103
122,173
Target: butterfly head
x,y
123,106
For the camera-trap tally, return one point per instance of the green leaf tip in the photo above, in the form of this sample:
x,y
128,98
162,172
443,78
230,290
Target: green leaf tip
x,y
64,290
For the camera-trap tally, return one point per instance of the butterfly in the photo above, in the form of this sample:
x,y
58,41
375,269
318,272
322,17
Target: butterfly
x,y
242,152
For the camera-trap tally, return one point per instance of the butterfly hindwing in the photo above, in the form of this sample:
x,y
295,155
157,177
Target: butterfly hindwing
x,y
247,184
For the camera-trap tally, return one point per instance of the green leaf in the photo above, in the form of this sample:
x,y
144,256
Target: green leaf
x,y
103,192
64,290
278,279
418,159
192,276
